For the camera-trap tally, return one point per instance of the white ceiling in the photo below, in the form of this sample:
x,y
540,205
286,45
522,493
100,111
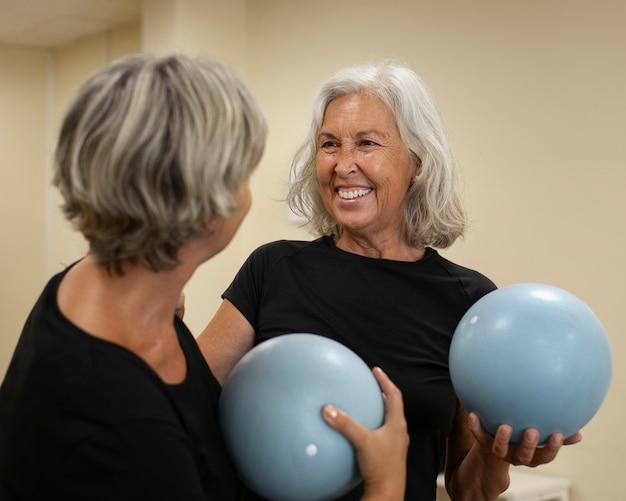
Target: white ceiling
x,y
54,23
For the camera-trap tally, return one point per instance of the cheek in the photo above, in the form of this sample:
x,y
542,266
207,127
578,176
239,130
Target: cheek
x,y
246,198
392,190
246,208
323,174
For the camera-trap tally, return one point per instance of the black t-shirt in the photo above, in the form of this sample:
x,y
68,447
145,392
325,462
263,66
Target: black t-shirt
x,y
82,418
397,315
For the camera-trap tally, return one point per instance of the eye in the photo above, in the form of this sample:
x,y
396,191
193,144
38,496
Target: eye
x,y
328,144
368,143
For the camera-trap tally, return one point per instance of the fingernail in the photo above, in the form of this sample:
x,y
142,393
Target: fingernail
x,y
532,435
473,420
557,440
330,411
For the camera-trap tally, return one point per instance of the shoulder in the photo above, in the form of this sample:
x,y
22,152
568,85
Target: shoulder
x,y
69,373
473,282
286,247
267,255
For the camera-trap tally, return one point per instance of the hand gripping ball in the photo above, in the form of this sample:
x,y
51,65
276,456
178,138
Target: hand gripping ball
x,y
270,415
531,356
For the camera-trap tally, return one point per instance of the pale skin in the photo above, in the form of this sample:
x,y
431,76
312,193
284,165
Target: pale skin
x,y
126,310
382,468
364,171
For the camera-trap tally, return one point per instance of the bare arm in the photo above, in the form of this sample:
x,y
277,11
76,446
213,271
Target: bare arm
x,y
477,464
382,452
227,338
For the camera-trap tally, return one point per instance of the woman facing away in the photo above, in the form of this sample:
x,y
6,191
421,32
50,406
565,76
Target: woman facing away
x,y
107,396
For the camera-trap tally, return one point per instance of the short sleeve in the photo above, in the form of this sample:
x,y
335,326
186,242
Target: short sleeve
x,y
246,290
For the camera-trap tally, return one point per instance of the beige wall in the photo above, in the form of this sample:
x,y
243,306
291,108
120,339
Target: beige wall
x,y
532,93
71,66
23,97
35,88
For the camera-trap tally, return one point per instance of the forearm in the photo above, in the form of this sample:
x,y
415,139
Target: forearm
x,y
479,477
226,339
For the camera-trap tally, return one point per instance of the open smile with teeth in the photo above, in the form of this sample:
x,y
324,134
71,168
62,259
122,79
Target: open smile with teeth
x,y
350,194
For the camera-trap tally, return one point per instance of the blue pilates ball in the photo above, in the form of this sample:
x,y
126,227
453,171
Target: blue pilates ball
x,y
270,416
531,356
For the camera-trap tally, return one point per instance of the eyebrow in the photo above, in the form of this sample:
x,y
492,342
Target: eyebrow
x,y
358,135
323,134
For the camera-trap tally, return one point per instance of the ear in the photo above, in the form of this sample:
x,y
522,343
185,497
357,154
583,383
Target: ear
x,y
418,166
211,224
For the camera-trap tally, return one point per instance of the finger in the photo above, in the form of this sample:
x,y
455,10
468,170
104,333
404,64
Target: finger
x,y
393,396
549,451
481,436
525,452
574,439
501,441
474,424
386,385
344,424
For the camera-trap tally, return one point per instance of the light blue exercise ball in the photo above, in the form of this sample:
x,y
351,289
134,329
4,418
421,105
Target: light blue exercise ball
x,y
270,416
531,356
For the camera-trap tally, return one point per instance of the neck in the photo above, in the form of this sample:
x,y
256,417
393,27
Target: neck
x,y
135,311
140,300
393,249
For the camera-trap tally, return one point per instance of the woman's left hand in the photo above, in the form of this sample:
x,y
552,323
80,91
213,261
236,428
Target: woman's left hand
x,y
528,452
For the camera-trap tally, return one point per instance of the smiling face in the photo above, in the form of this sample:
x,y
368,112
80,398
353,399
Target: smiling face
x,y
364,168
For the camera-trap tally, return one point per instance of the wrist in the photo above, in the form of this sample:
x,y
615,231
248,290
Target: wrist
x,y
386,491
481,475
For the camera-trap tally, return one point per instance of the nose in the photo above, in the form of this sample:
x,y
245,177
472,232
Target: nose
x,y
346,162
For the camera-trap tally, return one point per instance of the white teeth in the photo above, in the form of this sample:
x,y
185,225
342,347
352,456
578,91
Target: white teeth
x,y
353,194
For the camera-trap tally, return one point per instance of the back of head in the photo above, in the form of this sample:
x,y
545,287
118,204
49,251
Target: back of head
x,y
149,149
434,214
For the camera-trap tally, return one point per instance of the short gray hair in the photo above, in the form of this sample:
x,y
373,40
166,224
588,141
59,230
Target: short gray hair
x,y
434,213
149,149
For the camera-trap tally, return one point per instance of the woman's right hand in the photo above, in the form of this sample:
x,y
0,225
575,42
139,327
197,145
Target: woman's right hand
x,y
381,453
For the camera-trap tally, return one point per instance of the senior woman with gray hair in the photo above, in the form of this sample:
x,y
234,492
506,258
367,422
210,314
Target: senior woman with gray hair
x,y
107,396
376,179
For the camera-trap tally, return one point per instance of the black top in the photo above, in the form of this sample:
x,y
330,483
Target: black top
x,y
396,315
82,418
